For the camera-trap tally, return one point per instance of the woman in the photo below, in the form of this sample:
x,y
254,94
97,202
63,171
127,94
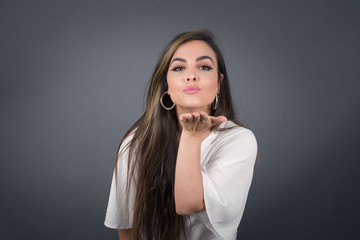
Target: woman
x,y
184,169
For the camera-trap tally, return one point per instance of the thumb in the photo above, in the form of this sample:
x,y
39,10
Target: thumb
x,y
218,119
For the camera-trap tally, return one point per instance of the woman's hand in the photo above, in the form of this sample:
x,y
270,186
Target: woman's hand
x,y
199,121
188,190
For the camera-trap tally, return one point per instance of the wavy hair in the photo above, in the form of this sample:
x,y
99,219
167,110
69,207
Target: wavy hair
x,y
154,146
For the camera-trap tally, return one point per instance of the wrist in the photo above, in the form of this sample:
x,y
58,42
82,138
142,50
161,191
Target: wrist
x,y
191,135
194,136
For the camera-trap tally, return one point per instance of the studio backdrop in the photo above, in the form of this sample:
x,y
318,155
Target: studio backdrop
x,y
73,79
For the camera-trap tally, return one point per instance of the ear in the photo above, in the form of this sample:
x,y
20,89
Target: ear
x,y
221,77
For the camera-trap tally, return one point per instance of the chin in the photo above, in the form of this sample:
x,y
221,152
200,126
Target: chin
x,y
195,107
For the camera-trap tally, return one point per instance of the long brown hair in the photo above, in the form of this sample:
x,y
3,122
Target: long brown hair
x,y
154,146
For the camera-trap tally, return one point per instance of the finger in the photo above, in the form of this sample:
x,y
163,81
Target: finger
x,y
196,117
219,119
183,118
186,118
204,117
190,117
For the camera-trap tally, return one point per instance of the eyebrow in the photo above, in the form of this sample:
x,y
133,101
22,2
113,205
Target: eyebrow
x,y
205,57
197,59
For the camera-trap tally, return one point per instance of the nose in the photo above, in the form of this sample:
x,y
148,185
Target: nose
x,y
191,77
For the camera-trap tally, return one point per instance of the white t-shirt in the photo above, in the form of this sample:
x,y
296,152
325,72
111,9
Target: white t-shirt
x,y
227,164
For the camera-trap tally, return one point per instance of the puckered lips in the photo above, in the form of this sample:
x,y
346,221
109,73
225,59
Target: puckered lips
x,y
192,89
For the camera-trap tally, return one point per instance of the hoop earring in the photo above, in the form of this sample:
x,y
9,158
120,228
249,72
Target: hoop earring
x,y
162,104
214,106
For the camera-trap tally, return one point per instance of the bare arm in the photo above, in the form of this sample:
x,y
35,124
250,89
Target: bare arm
x,y
124,234
189,193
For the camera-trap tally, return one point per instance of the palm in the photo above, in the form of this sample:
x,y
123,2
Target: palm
x,y
199,121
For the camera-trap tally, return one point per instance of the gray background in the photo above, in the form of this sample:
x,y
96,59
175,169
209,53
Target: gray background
x,y
73,78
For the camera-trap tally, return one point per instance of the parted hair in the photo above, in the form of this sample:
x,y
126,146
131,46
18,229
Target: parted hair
x,y
154,145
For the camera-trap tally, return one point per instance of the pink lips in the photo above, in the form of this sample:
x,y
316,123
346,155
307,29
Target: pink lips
x,y
192,89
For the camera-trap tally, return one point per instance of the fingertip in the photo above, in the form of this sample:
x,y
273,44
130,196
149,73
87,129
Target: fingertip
x,y
220,119
203,115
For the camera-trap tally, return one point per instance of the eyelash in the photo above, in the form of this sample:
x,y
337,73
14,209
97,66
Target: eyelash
x,y
206,67
176,69
202,67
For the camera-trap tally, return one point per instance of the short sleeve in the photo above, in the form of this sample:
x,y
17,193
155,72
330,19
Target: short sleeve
x,y
226,180
115,214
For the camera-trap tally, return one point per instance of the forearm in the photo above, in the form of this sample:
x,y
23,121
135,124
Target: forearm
x,y
124,234
189,194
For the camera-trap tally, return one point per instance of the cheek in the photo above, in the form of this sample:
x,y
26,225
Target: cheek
x,y
214,85
172,84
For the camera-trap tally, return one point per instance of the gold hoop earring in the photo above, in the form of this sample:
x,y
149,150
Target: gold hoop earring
x,y
214,106
162,104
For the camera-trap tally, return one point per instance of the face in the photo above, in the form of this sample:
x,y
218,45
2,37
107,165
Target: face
x,y
192,77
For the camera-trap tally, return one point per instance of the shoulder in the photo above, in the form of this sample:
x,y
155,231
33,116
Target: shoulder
x,y
125,142
230,131
235,140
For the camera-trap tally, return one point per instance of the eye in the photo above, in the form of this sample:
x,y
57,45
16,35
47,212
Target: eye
x,y
177,69
206,68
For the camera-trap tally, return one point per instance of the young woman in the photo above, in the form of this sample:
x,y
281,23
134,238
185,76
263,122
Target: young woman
x,y
184,169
